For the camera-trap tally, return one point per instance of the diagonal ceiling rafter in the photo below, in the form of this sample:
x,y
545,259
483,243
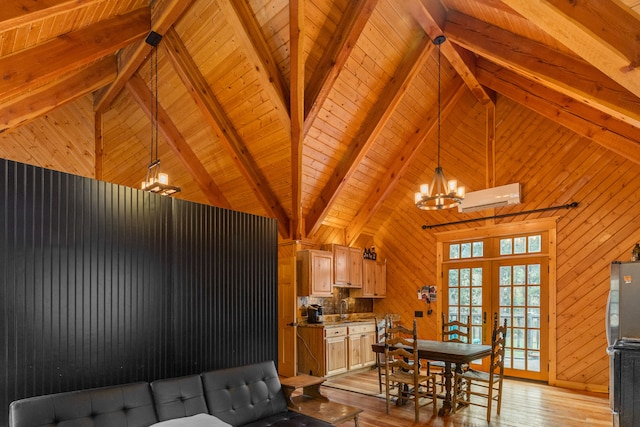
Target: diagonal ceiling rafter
x,y
613,134
213,112
396,172
584,28
335,56
244,24
432,17
556,70
28,69
376,120
145,99
164,13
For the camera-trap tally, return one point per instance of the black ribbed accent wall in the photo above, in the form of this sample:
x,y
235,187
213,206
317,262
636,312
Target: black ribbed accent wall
x,y
102,284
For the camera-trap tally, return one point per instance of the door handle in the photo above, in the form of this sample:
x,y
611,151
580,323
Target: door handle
x,y
292,324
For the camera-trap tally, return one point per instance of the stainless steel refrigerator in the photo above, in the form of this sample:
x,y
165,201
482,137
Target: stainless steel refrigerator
x,y
623,340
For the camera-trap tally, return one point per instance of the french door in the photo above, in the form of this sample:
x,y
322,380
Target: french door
x,y
508,276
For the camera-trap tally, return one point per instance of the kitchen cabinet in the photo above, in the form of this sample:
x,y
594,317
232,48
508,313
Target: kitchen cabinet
x,y
322,351
314,269
334,349
347,266
374,280
361,336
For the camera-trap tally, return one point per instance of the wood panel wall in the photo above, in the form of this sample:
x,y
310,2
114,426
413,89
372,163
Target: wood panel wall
x,y
555,167
102,284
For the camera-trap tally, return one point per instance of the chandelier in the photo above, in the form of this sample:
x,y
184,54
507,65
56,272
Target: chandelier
x,y
155,181
441,194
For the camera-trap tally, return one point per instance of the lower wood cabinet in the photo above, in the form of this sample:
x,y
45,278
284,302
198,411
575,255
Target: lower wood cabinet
x,y
330,350
360,339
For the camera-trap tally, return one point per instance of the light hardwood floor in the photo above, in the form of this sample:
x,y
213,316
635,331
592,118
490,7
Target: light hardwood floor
x,y
524,404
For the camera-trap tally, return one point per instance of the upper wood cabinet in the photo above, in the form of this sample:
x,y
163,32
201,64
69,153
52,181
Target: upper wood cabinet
x,y
374,280
347,266
314,269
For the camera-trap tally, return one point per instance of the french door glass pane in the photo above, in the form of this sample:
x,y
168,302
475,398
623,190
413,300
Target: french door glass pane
x,y
535,243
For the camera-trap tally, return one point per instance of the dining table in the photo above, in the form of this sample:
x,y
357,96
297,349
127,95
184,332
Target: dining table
x,y
453,354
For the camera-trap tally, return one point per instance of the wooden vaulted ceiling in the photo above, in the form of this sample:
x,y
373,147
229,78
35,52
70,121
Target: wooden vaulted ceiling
x,y
319,113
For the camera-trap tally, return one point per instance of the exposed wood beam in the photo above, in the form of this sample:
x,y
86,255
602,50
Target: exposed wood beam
x,y
241,19
29,105
164,13
432,17
25,70
490,146
98,136
296,41
610,132
408,69
145,99
213,112
397,170
335,56
556,70
15,13
605,34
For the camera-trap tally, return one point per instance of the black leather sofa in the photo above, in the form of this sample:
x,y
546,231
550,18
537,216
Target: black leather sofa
x,y
243,396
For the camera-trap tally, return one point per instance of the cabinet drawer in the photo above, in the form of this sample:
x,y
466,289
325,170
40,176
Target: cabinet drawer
x,y
335,332
361,329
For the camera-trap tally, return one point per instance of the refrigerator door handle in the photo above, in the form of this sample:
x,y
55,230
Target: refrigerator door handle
x,y
607,325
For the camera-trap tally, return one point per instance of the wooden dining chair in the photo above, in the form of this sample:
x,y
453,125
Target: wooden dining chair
x,y
381,330
452,331
402,370
486,386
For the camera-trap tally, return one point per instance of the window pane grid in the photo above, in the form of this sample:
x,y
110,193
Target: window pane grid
x,y
465,299
519,302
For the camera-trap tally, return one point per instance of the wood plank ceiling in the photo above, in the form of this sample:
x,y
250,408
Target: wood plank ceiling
x,y
319,113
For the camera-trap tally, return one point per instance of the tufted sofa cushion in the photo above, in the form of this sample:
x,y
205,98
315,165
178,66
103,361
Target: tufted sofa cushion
x,y
178,397
251,396
124,405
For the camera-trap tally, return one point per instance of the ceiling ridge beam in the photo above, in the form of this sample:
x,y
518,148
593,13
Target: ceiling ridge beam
x,y
15,13
296,81
164,13
608,131
29,105
586,28
401,162
28,69
241,19
559,71
205,99
432,17
145,99
335,56
376,120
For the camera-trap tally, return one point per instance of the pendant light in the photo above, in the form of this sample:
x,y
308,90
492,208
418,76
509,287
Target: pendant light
x,y
155,181
441,194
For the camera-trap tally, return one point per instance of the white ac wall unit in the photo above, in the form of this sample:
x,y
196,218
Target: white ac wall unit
x,y
491,198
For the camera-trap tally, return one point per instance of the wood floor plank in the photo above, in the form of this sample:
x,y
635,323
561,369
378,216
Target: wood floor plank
x,y
525,403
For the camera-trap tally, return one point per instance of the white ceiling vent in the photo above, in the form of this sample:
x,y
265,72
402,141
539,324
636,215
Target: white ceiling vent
x,y
491,198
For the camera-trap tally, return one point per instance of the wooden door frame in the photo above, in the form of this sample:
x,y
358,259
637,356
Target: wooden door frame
x,y
522,227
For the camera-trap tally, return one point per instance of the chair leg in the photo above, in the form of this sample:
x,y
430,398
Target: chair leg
x,y
379,372
489,401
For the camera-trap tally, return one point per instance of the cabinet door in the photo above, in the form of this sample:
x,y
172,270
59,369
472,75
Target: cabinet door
x,y
321,274
341,264
380,288
369,279
336,355
355,351
355,267
367,355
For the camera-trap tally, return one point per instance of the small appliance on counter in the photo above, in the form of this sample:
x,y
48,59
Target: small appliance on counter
x,y
314,313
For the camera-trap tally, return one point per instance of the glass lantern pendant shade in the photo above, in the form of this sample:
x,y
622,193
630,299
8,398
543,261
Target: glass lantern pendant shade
x,y
441,194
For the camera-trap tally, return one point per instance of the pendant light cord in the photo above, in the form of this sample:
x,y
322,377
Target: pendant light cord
x,y
154,89
439,106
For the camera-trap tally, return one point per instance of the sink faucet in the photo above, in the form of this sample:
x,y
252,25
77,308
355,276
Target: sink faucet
x,y
344,301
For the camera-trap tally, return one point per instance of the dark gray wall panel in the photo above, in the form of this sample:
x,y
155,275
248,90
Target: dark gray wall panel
x,y
102,284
